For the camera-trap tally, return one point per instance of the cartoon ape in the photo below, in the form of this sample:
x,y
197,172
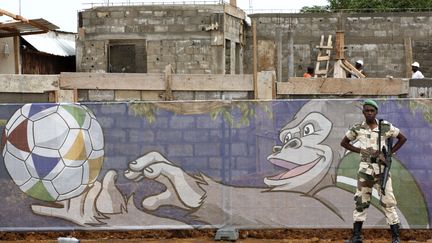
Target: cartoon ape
x,y
306,194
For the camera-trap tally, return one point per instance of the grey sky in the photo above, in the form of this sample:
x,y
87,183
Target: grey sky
x,y
63,13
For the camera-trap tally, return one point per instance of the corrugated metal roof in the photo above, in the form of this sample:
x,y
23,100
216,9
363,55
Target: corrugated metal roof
x,y
54,43
32,26
22,26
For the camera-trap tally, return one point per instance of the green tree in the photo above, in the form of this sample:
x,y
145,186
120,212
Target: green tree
x,y
381,5
315,9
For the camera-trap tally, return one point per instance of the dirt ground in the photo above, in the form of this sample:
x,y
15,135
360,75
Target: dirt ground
x,y
203,236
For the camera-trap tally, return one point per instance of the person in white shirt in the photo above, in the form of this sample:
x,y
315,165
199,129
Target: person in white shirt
x,y
416,74
359,66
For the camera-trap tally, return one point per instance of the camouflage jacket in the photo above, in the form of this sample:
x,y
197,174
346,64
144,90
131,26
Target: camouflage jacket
x,y
363,137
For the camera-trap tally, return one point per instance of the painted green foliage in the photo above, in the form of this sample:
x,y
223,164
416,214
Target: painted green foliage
x,y
247,110
422,106
146,110
408,194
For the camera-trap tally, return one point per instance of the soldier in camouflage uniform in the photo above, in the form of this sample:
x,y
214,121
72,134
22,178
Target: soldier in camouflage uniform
x,y
365,137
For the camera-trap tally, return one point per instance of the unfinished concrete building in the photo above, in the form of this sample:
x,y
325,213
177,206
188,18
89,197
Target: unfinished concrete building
x,y
193,38
216,39
387,42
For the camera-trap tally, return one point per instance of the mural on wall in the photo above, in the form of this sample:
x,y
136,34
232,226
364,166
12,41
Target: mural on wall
x,y
185,165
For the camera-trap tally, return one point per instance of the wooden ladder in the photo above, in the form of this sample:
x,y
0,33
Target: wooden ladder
x,y
323,56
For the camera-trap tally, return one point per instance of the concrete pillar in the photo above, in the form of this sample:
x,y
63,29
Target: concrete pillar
x,y
279,54
290,53
233,3
240,59
255,58
233,57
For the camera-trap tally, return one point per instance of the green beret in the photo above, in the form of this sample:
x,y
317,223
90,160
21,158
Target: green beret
x,y
371,103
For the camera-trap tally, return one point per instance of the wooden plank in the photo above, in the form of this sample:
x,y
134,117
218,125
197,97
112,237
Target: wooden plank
x,y
14,83
343,86
17,55
14,16
255,57
325,47
266,80
322,72
408,56
168,82
112,81
340,44
141,81
352,69
214,82
323,58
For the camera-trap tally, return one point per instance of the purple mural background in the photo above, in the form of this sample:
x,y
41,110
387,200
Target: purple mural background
x,y
228,142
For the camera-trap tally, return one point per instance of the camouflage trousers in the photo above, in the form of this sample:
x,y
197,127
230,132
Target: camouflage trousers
x,y
365,183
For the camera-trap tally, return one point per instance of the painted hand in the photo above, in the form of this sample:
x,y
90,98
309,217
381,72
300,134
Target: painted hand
x,y
88,208
182,190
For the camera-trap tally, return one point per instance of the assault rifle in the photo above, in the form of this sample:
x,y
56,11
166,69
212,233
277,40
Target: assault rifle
x,y
387,164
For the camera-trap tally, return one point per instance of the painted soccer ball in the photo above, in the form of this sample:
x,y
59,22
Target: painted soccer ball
x,y
53,152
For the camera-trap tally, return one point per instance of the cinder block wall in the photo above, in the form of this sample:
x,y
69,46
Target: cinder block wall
x,y
207,39
189,37
377,38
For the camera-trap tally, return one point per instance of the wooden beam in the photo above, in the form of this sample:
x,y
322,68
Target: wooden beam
x,y
350,68
12,34
112,81
17,56
255,57
343,86
408,56
266,83
340,44
153,81
14,16
9,25
37,25
168,82
13,83
212,82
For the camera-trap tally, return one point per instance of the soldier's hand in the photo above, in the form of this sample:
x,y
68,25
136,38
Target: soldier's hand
x,y
382,159
365,152
369,152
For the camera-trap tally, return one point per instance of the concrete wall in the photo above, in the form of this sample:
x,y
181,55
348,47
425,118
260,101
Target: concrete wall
x,y
378,38
191,38
7,61
213,39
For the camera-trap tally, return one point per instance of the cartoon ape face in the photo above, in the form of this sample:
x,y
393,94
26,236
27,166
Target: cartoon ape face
x,y
302,153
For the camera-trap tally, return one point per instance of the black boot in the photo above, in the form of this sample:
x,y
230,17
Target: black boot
x,y
395,233
356,237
